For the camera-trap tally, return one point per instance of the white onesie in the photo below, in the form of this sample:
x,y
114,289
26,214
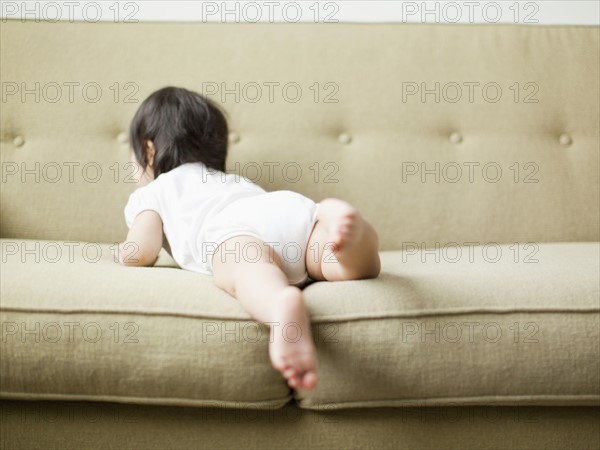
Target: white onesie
x,y
200,208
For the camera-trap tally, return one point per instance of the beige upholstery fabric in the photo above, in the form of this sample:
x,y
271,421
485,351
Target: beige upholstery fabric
x,y
423,333
388,137
89,425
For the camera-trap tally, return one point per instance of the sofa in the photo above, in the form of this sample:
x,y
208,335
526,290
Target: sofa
x,y
472,149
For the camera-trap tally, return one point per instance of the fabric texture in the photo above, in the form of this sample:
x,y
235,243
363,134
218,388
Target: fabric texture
x,y
90,425
528,332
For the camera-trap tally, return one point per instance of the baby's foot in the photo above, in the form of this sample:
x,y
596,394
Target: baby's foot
x,y
291,347
344,222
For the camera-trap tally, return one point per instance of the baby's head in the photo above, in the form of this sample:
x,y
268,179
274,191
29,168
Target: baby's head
x,y
174,126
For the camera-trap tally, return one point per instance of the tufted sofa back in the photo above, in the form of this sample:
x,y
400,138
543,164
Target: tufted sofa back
x,y
438,133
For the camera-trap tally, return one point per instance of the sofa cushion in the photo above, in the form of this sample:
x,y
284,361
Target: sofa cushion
x,y
75,325
510,324
87,328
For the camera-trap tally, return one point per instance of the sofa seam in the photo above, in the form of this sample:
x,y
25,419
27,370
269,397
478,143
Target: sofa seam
x,y
593,399
324,319
166,401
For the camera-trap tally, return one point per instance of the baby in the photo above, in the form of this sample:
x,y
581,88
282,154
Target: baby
x,y
261,247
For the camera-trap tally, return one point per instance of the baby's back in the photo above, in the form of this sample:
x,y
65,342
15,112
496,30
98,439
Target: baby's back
x,y
185,198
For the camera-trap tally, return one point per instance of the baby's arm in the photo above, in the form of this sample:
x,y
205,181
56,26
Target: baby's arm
x,y
144,240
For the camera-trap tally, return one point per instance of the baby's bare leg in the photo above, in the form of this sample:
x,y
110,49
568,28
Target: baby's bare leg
x,y
343,245
250,270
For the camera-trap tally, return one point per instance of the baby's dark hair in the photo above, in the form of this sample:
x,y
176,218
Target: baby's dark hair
x,y
184,126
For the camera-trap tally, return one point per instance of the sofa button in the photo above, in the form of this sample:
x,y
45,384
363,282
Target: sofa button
x,y
344,138
234,138
456,138
122,137
18,141
565,139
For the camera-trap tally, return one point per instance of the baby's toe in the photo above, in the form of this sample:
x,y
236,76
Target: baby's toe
x,y
289,373
309,380
294,381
